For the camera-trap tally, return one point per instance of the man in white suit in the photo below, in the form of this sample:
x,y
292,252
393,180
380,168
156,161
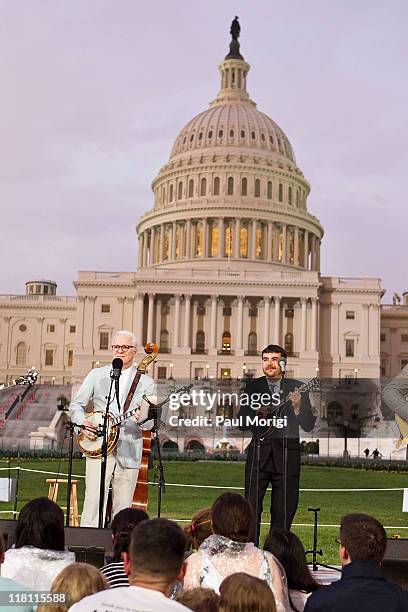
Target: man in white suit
x,y
124,462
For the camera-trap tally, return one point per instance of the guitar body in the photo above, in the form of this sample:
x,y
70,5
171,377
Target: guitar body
x,y
93,448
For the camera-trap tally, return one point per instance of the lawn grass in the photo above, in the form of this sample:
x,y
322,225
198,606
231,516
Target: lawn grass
x,y
180,503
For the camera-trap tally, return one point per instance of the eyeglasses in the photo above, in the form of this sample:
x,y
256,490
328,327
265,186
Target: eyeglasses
x,y
121,347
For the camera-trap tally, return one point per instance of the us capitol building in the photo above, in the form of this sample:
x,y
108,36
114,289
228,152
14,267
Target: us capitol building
x,y
228,262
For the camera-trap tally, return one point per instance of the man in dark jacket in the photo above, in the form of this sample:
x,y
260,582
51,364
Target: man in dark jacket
x,y
362,588
274,452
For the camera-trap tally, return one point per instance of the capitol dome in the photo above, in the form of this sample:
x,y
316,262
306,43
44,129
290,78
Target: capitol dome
x,y
231,190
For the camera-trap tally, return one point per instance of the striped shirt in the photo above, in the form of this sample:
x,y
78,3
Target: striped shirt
x,y
115,575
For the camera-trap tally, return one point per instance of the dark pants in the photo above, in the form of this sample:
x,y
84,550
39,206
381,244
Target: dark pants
x,y
255,489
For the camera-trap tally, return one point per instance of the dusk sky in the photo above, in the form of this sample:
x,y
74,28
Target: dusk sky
x,y
93,95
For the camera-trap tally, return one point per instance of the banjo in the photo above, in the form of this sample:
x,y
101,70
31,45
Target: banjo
x,y
93,448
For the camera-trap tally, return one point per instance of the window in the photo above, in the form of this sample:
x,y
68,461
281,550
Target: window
x,y
201,310
280,196
244,187
200,341
349,347
289,343
231,133
180,191
105,308
200,136
164,341
190,188
23,327
242,134
252,343
161,372
210,134
49,357
191,137
220,133
253,312
72,329
289,313
171,193
383,368
230,186
382,337
269,190
198,373
226,342
227,311
70,358
21,354
404,362
51,329
350,314
253,136
271,138
263,137
217,185
257,188
203,188
45,289
404,337
104,341
290,195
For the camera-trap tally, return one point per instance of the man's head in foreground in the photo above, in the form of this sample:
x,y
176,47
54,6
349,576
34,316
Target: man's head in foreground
x,y
156,555
362,538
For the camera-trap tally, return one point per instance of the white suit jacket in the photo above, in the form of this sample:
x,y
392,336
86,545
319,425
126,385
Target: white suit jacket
x,y
95,387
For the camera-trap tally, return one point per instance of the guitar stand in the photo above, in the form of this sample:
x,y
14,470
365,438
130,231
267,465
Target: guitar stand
x,y
315,551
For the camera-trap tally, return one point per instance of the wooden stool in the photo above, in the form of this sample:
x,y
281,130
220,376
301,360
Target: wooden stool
x,y
53,494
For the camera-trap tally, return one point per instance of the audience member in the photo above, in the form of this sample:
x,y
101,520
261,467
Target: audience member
x,y
200,600
10,586
228,551
122,526
288,549
244,593
199,529
75,582
154,563
362,588
38,554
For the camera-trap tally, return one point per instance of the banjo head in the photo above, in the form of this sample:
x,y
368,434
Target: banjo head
x,y
93,448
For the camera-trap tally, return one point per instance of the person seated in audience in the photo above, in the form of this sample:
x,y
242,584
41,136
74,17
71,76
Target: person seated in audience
x,y
154,563
199,529
241,592
11,586
362,587
122,526
39,553
200,600
288,549
228,551
75,582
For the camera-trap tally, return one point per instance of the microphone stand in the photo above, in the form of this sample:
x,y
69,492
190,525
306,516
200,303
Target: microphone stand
x,y
285,454
104,456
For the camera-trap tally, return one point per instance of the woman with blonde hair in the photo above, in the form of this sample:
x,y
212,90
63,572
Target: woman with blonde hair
x,y
75,582
199,529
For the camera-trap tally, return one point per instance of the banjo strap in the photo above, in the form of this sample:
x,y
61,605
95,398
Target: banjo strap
x,y
132,391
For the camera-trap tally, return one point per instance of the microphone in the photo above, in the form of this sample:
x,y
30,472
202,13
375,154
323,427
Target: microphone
x,y
282,364
117,365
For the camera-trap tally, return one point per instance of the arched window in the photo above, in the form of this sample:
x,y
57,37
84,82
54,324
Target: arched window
x,y
230,190
217,185
21,356
200,341
210,134
290,195
280,196
226,342
263,137
269,190
231,133
203,187
220,133
252,343
199,240
243,242
257,188
200,136
164,341
242,134
180,191
244,187
166,244
164,195
190,188
171,193
253,135
258,242
214,241
289,343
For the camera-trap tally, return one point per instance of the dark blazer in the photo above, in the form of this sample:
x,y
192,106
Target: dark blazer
x,y
272,445
362,588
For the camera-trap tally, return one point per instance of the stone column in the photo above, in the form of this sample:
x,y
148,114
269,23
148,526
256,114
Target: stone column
x,y
194,239
235,245
252,253
140,251
204,238
276,324
221,237
314,325
159,255
306,249
266,318
303,303
269,242
176,326
187,312
366,331
284,245
335,330
158,321
296,247
276,230
139,318
317,254
213,323
150,315
148,241
240,312
173,241
313,247
188,239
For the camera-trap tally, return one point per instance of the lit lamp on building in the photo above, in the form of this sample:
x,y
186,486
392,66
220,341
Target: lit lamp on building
x,y
243,370
53,380
355,375
97,364
207,367
171,371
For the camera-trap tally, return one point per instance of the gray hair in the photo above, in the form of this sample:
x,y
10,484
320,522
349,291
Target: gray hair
x,y
128,334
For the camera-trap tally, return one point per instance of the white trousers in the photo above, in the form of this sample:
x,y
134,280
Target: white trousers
x,y
123,485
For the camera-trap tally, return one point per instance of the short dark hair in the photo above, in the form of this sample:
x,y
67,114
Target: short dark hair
x,y
157,547
242,592
40,524
199,599
363,537
275,348
122,526
232,517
